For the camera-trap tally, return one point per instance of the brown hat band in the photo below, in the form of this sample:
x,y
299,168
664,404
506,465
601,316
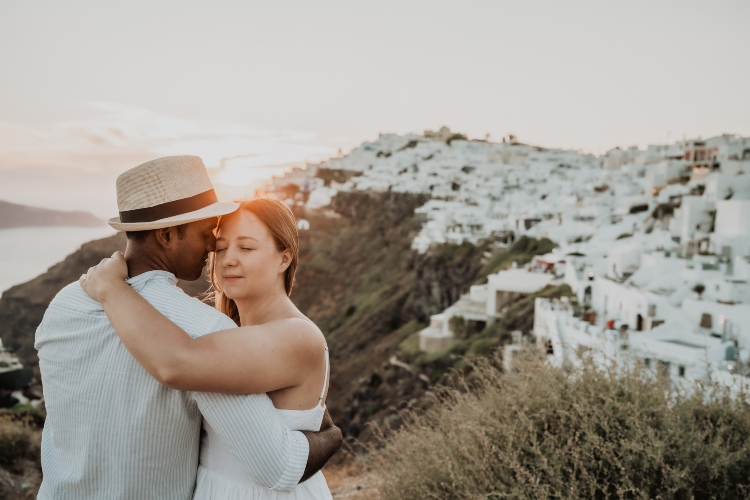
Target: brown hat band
x,y
169,209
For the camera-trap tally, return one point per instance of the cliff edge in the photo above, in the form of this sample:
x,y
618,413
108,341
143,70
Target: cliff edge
x,y
14,215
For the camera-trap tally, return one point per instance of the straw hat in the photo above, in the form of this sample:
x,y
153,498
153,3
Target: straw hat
x,y
166,192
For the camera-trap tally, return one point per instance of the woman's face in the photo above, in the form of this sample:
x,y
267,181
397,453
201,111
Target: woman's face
x,y
247,263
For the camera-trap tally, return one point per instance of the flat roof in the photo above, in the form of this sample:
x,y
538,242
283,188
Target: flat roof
x,y
684,343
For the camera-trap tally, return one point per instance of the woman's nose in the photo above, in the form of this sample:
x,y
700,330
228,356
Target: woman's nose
x,y
230,259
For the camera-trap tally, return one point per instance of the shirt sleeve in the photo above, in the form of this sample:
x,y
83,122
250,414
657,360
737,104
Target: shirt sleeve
x,y
272,455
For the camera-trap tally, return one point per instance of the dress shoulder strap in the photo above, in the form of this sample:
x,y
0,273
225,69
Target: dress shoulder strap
x,y
325,380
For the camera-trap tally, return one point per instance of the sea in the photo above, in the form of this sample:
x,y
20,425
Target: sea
x,y
27,252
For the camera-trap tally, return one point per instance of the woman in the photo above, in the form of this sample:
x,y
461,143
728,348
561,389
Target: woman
x,y
276,349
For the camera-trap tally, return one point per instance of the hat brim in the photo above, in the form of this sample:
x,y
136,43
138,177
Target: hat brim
x,y
214,210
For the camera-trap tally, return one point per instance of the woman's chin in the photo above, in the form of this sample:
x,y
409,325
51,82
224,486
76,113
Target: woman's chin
x,y
233,291
230,290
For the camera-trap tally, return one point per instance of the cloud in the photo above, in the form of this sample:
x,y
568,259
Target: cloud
x,y
119,128
75,162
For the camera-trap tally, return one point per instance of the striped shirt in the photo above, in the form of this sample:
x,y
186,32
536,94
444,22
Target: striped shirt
x,y
112,431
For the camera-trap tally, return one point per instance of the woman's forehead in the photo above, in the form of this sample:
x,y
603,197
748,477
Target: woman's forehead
x,y
243,224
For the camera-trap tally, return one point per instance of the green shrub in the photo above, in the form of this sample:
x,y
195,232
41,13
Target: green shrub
x,y
27,412
409,346
459,326
541,433
521,251
481,346
520,314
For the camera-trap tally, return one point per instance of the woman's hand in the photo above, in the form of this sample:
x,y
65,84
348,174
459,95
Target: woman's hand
x,y
101,278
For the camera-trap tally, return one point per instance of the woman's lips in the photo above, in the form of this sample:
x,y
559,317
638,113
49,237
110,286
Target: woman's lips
x,y
231,279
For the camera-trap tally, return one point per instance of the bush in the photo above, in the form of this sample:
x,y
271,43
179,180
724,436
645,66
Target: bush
x,y
521,251
482,346
459,326
15,440
541,433
27,413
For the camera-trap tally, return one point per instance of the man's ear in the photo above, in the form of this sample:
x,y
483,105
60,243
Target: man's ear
x,y
165,237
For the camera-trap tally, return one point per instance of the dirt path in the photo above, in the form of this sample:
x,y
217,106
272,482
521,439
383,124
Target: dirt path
x,y
347,482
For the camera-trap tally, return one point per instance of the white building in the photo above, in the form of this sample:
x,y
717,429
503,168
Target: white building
x,y
731,237
482,305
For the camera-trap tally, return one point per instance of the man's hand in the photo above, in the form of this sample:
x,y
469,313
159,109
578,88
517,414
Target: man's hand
x,y
327,421
323,445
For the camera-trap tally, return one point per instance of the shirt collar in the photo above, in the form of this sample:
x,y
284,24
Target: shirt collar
x,y
138,282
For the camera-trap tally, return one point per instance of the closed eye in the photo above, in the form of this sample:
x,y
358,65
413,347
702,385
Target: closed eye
x,y
219,250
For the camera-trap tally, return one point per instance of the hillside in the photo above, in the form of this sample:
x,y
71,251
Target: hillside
x,y
358,280
14,215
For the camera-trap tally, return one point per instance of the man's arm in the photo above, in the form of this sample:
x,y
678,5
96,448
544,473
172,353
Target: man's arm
x,y
323,445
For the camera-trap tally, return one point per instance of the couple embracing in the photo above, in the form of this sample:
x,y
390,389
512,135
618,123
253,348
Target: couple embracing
x,y
133,368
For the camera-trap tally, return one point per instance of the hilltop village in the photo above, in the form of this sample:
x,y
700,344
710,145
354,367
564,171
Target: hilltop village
x,y
654,243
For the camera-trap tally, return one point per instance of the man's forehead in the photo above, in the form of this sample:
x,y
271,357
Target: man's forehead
x,y
208,223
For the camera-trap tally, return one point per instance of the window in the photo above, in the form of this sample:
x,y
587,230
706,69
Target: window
x,y
681,371
647,361
548,347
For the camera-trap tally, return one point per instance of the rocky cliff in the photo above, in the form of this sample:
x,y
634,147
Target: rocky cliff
x,y
14,215
361,282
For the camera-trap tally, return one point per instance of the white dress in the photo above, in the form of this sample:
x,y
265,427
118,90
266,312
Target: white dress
x,y
221,478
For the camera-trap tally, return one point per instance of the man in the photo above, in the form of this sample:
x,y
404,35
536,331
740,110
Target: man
x,y
114,432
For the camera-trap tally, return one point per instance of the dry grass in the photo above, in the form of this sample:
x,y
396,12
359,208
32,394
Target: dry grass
x,y
15,440
20,470
540,433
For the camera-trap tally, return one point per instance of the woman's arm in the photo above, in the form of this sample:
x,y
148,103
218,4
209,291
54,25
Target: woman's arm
x,y
244,360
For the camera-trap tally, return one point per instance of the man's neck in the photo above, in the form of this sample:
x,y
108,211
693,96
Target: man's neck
x,y
141,261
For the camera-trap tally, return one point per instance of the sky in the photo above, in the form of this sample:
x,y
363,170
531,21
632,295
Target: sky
x,y
91,88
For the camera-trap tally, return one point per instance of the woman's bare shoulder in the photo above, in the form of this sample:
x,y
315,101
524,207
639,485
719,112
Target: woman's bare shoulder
x,y
303,327
304,333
